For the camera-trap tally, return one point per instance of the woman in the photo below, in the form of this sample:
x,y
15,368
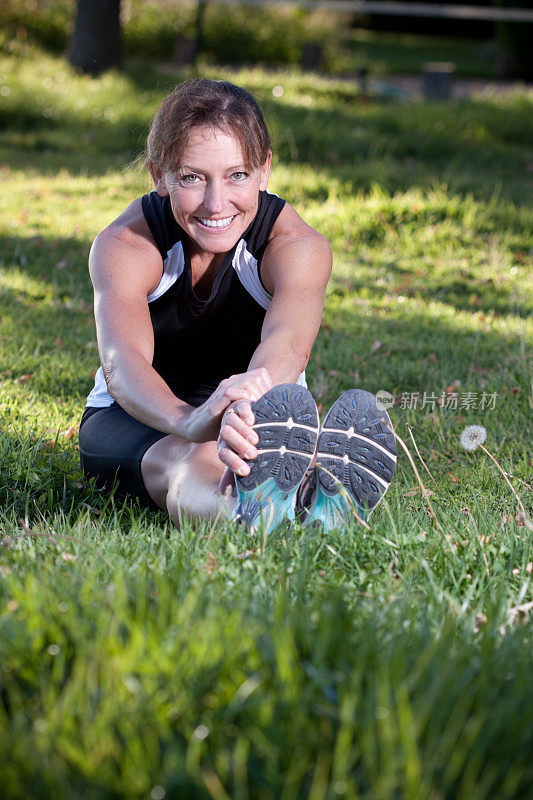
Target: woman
x,y
208,294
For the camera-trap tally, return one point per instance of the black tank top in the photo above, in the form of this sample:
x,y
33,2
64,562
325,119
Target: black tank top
x,y
200,342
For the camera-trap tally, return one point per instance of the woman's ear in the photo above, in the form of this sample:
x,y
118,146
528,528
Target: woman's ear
x,y
265,171
158,178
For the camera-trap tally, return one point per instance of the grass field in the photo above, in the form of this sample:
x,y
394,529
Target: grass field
x,y
141,661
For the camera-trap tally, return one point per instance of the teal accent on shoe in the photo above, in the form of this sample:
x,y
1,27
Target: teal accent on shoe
x,y
332,511
266,506
286,423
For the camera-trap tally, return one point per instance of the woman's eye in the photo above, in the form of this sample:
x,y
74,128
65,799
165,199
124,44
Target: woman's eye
x,y
239,176
191,178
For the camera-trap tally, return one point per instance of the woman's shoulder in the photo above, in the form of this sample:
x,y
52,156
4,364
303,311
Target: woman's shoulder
x,y
125,250
131,228
289,226
293,242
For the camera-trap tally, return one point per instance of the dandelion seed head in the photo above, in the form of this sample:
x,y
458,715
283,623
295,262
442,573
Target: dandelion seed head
x,y
201,732
472,437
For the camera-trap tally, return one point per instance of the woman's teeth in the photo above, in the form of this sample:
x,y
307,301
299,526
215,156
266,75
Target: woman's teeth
x,y
217,223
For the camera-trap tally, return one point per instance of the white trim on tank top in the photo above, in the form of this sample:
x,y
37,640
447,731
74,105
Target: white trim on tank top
x,y
243,262
246,268
173,266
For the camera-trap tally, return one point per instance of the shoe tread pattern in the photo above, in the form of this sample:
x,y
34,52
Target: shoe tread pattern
x,y
356,461
283,402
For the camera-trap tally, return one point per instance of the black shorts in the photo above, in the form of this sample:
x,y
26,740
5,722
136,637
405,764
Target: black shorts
x,y
112,444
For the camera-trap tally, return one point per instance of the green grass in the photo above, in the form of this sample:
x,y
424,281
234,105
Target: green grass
x,y
406,53
136,659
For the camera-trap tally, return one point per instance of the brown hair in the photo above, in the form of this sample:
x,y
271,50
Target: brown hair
x,y
202,102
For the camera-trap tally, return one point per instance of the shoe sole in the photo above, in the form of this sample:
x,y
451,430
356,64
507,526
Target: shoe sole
x,y
355,460
287,424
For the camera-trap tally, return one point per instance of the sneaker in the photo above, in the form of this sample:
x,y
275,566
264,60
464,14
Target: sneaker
x,y
286,421
355,462
305,496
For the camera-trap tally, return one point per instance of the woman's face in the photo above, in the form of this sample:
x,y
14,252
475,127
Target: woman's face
x,y
213,194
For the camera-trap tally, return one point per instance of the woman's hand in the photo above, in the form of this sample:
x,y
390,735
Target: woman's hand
x,y
203,424
237,440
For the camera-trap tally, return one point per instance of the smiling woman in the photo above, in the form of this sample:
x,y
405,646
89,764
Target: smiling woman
x,y
209,293
213,194
211,104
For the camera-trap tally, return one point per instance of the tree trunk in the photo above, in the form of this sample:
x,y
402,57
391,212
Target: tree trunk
x,y
96,42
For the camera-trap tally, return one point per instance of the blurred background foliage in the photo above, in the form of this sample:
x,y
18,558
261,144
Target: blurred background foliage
x,y
278,35
153,27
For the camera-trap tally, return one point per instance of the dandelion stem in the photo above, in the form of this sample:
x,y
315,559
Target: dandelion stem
x,y
419,456
425,494
507,479
520,480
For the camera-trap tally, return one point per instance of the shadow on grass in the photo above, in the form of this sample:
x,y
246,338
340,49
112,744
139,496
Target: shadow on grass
x,y
52,350
413,348
57,265
459,289
46,316
38,474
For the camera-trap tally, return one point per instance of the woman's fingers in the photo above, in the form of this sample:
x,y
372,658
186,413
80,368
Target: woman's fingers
x,y
237,439
240,442
202,424
232,453
243,420
247,386
265,380
261,380
231,460
238,393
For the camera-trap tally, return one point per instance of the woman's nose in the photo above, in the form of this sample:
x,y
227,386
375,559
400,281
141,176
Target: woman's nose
x,y
214,197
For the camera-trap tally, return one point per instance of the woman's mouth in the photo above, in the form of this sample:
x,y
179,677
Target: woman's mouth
x,y
215,225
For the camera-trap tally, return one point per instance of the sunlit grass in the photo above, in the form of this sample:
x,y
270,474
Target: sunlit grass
x,y
136,658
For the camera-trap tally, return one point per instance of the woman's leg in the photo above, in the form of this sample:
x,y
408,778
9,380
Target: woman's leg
x,y
162,471
183,478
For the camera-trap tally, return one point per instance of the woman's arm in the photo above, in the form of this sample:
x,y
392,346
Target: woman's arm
x,y
295,270
125,266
